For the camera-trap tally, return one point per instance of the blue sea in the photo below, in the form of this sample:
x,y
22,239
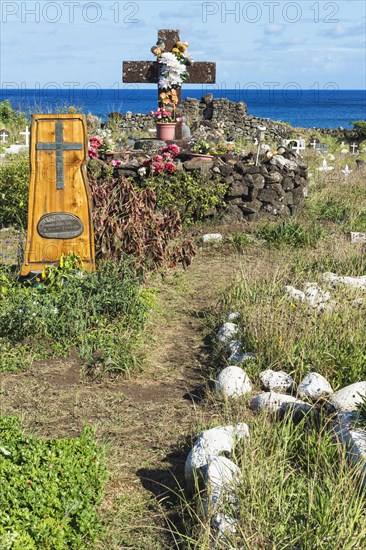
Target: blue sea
x,y
304,108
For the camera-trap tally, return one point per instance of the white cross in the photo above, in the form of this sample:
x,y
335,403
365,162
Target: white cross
x,y
4,136
26,134
346,171
314,144
353,147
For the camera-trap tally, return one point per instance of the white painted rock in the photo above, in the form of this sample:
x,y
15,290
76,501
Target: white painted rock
x,y
348,398
212,237
357,237
210,444
233,382
295,293
349,434
222,476
316,297
314,386
298,410
279,381
272,401
358,282
234,346
233,316
227,332
238,357
224,524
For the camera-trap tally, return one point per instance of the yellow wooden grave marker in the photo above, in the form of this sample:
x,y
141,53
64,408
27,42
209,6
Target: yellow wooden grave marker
x,y
59,211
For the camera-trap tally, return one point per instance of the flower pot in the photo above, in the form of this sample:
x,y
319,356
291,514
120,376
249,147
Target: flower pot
x,y
165,130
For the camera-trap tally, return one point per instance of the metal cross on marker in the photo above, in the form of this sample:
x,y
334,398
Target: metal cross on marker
x,y
59,146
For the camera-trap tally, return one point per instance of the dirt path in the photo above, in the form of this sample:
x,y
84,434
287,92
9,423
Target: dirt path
x,y
147,420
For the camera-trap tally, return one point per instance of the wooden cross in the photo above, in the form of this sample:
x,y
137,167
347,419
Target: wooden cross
x,y
59,146
26,134
149,71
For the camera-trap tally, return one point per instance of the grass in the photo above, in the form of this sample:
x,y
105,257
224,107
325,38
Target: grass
x,y
297,487
296,491
290,336
342,203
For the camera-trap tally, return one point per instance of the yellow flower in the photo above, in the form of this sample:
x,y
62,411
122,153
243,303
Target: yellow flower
x,y
43,275
175,50
185,44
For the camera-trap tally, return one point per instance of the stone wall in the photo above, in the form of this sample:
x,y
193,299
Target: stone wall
x,y
273,189
232,117
213,114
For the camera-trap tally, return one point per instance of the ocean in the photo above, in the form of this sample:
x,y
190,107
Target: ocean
x,y
304,108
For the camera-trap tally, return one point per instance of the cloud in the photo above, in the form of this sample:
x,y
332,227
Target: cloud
x,y
289,45
274,29
339,31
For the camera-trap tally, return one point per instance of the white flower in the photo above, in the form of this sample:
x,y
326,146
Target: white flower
x,y
141,171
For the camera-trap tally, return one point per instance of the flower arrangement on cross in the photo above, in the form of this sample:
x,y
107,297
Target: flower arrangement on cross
x,y
172,75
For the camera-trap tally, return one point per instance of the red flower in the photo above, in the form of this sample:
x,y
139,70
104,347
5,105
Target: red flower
x,y
170,167
157,167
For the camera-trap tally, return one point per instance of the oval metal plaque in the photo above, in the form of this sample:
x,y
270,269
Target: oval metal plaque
x,y
60,225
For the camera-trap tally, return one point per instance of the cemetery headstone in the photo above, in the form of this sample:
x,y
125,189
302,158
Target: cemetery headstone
x,y
59,210
322,148
26,134
149,71
354,147
4,135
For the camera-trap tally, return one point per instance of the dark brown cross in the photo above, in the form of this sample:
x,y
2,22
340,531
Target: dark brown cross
x,y
149,71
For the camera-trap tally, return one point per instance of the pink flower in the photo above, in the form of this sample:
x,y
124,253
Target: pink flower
x,y
170,167
116,162
94,142
172,149
167,155
157,158
179,119
157,167
146,162
93,153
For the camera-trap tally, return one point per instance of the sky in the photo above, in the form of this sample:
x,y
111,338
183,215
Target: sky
x,y
315,44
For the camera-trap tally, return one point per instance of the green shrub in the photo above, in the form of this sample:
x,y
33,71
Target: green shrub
x,y
290,233
14,121
14,189
239,241
193,194
49,490
49,319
